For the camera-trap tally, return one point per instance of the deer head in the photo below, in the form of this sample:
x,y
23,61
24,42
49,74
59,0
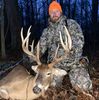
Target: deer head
x,y
45,72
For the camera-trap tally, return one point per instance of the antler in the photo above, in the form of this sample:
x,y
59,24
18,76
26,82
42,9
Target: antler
x,y
68,42
25,46
66,46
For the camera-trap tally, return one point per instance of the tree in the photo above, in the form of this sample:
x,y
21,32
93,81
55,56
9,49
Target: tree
x,y
94,11
3,53
74,9
81,12
94,20
31,12
27,12
69,8
11,8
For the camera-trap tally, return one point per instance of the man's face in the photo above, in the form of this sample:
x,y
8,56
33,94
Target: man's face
x,y
55,15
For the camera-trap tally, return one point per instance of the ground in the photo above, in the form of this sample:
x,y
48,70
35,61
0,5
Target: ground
x,y
66,92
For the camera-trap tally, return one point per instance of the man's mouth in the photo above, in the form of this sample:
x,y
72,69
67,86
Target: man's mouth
x,y
55,17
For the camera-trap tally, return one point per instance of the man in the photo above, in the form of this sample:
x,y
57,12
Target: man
x,y
74,64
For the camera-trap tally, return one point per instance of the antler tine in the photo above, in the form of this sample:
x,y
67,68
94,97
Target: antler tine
x,y
38,50
65,46
69,38
24,41
25,45
37,54
22,34
32,46
27,40
56,52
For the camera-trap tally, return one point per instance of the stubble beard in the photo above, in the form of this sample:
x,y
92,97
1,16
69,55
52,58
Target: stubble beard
x,y
54,19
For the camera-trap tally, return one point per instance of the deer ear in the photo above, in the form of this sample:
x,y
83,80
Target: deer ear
x,y
59,72
34,68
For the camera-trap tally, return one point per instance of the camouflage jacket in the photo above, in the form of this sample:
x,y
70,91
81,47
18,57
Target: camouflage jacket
x,y
50,40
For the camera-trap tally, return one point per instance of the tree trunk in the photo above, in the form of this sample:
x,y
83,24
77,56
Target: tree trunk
x,y
11,7
94,11
94,21
69,10
61,3
86,16
74,10
36,13
44,13
81,12
3,53
27,13
32,13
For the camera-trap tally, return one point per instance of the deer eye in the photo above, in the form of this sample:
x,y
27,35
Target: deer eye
x,y
48,73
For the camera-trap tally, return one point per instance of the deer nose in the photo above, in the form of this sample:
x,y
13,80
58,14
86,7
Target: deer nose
x,y
36,90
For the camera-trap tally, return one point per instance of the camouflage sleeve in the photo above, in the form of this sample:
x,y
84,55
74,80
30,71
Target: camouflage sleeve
x,y
77,38
43,42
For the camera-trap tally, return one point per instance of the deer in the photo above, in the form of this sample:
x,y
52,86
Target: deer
x,y
19,84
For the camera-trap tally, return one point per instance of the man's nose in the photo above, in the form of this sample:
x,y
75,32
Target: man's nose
x,y
53,13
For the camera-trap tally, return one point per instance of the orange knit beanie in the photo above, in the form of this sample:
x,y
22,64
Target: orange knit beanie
x,y
55,5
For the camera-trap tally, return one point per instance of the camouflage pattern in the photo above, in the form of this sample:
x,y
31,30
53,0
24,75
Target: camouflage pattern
x,y
79,75
50,40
